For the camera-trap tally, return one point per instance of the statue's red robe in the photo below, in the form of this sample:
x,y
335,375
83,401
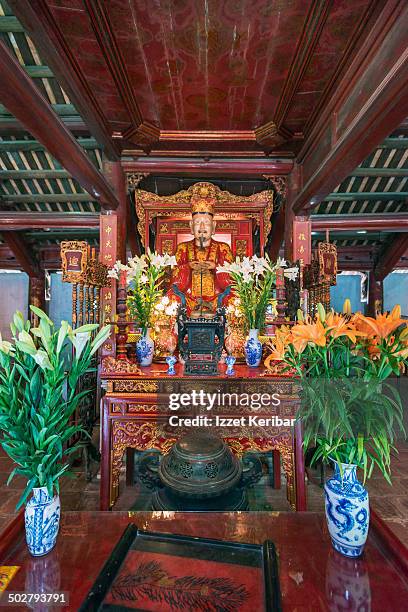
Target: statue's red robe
x,y
212,282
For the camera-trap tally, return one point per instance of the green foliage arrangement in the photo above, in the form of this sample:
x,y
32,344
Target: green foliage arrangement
x,y
252,279
350,413
38,397
144,276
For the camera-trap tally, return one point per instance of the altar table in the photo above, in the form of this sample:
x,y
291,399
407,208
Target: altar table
x,y
313,576
135,413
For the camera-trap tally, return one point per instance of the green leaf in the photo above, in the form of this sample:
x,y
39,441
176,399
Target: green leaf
x,y
100,338
30,485
12,474
18,321
41,314
89,327
62,334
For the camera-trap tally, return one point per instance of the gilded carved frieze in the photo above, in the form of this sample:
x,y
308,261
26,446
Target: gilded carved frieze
x,y
179,204
136,386
141,436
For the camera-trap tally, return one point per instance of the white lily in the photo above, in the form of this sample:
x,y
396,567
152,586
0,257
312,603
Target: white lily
x,y
25,338
5,346
80,340
291,273
42,359
137,264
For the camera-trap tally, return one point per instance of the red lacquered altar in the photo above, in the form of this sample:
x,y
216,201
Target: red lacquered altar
x,y
135,415
312,575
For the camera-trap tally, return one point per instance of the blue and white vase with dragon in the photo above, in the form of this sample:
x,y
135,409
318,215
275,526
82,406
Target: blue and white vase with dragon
x,y
145,349
347,511
253,349
42,521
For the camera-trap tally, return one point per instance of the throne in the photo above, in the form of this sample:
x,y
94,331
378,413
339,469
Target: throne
x,y
200,338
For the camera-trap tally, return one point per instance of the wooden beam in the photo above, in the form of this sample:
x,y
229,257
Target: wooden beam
x,y
39,72
35,145
394,143
74,124
23,254
391,256
46,197
9,23
351,196
67,112
39,22
397,222
370,101
110,49
310,36
16,220
23,99
63,110
59,234
208,167
33,174
387,172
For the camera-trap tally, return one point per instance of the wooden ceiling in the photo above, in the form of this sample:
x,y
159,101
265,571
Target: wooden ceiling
x,y
229,84
252,75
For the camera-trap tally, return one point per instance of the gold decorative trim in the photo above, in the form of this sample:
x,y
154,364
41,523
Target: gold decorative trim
x,y
181,202
110,365
133,434
136,386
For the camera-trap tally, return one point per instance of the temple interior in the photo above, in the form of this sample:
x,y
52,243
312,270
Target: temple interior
x,y
204,305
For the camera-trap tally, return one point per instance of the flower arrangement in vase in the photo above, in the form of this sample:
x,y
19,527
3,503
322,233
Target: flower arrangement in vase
x,y
37,401
252,280
236,329
349,413
163,322
145,277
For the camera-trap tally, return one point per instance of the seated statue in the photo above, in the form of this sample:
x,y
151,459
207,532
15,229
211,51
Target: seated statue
x,y
195,279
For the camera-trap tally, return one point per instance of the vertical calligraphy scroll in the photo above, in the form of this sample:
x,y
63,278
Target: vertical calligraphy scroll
x,y
302,240
107,256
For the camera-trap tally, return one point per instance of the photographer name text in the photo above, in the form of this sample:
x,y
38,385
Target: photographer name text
x,y
218,421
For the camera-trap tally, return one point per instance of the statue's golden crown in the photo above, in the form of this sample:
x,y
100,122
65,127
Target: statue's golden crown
x,y
203,206
203,198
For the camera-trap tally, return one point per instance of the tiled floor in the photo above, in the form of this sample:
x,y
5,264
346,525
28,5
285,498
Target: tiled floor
x,y
391,503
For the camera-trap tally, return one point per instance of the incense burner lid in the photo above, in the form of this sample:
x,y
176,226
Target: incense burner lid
x,y
200,465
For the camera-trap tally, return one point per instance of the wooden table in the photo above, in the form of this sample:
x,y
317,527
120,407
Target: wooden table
x,y
313,576
135,415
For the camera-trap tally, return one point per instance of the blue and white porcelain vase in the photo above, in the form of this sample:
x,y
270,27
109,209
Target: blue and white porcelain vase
x,y
145,349
253,349
42,521
347,511
171,361
230,360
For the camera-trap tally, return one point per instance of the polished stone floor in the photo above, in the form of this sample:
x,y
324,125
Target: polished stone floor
x,y
391,503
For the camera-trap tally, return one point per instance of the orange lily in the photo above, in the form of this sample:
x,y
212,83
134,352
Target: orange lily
x,y
341,326
382,326
303,333
282,339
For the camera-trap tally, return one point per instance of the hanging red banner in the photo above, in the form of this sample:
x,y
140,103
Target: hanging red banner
x,y
302,241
